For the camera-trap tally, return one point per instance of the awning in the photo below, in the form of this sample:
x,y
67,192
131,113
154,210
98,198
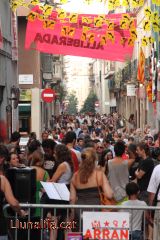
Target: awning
x,y
24,108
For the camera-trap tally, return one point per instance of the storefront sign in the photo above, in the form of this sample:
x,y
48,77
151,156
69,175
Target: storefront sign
x,y
25,95
106,225
131,90
26,79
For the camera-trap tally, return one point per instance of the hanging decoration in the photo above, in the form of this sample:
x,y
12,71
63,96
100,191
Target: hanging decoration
x,y
149,91
141,67
93,28
111,4
82,35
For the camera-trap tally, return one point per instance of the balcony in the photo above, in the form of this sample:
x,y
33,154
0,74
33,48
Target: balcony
x,y
111,83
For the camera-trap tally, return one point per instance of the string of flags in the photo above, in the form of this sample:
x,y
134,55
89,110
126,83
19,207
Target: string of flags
x,y
51,16
110,4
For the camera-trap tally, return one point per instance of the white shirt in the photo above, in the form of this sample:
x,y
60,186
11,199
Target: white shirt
x,y
154,181
136,216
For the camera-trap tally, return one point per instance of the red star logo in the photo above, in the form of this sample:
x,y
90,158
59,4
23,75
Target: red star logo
x,y
106,224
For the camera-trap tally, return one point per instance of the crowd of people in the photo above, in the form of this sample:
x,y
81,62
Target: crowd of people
x,y
88,153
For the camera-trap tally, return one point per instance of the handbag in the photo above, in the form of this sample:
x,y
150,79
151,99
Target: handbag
x,y
155,201
103,199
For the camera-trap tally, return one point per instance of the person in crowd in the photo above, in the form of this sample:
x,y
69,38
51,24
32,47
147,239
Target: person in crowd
x,y
157,139
99,150
154,191
53,133
6,192
44,135
130,140
85,182
14,160
94,135
150,141
136,216
108,146
138,137
84,132
62,133
48,146
132,153
156,156
32,137
77,129
120,123
14,143
4,156
64,162
144,170
63,174
131,122
31,147
80,144
70,141
37,162
103,162
116,167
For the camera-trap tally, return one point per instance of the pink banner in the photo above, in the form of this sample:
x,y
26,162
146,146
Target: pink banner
x,y
53,41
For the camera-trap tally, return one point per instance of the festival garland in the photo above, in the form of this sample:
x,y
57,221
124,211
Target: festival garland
x,y
112,4
51,16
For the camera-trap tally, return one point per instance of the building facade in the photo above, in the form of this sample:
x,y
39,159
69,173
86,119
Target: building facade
x,y
9,92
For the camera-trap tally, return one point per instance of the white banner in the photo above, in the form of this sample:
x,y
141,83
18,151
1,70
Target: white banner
x,y
106,225
131,90
25,78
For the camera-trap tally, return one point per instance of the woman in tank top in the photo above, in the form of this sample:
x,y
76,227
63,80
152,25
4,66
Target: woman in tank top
x,y
64,170
85,182
63,174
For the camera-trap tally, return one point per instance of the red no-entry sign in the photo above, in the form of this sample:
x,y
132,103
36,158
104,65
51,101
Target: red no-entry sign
x,y
48,95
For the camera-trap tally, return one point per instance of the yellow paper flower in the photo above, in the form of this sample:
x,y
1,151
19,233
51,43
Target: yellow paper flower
x,y
98,22
103,40
110,36
147,12
71,32
91,38
133,34
61,13
146,25
131,42
144,41
155,26
34,2
125,3
49,24
32,16
73,18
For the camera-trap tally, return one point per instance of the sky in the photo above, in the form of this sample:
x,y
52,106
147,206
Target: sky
x,y
78,6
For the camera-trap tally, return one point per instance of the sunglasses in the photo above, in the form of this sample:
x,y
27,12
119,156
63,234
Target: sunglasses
x,y
99,147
